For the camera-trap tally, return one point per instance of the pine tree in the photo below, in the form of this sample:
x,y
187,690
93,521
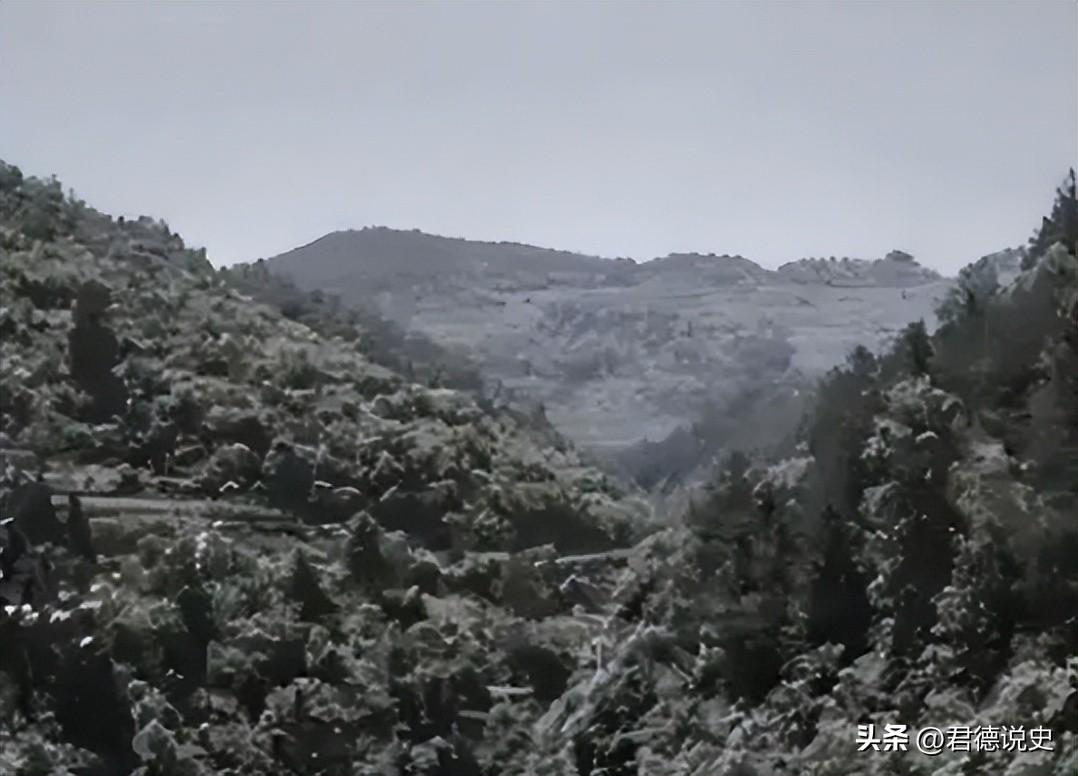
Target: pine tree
x,y
1061,226
839,611
918,347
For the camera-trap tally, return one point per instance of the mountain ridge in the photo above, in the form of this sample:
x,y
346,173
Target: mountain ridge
x,y
619,351
587,261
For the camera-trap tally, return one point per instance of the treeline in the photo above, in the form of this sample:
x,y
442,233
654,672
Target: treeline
x,y
409,353
939,491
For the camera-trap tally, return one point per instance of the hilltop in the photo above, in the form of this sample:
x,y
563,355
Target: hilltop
x,y
623,355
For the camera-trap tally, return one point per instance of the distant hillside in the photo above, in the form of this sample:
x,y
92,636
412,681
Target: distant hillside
x,y
621,352
896,269
384,257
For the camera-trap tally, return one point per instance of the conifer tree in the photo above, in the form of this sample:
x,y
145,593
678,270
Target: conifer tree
x,y
1061,226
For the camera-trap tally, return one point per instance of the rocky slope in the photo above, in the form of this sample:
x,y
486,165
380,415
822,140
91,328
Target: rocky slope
x,y
399,583
619,352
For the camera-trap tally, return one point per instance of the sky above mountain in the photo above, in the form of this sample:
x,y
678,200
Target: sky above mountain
x,y
774,130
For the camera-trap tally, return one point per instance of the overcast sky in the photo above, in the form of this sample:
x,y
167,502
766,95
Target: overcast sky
x,y
771,129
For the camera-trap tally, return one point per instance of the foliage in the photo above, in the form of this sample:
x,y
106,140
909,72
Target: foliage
x,y
355,573
1060,227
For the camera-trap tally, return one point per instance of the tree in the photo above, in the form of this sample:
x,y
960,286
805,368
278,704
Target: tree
x,y
971,294
839,611
976,611
917,347
1061,226
835,431
862,362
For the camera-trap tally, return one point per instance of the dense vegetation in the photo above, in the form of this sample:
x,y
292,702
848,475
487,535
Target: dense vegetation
x,y
274,556
407,353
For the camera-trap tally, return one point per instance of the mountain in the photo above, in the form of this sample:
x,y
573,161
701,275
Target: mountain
x,y
236,542
193,486
391,257
617,352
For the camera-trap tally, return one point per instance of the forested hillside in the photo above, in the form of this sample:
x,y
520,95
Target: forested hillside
x,y
197,491
234,544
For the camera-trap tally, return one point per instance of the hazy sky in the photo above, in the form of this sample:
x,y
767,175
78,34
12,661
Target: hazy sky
x,y
771,129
